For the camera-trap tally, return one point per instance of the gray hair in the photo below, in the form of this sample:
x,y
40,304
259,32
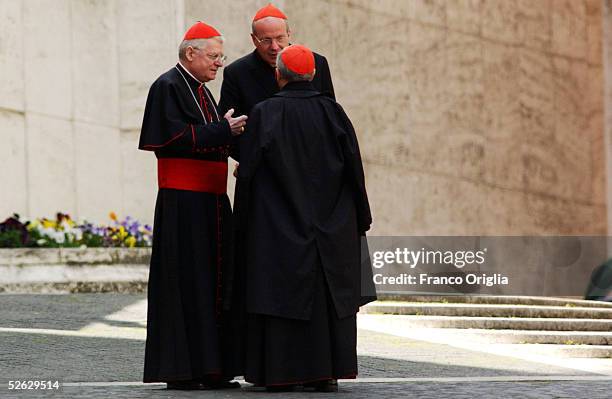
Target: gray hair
x,y
289,75
195,43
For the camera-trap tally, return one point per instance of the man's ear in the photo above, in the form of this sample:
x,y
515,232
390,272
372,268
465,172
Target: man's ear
x,y
314,72
277,74
189,53
254,39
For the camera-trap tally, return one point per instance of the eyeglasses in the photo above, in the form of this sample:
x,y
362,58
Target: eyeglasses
x,y
282,40
217,57
214,57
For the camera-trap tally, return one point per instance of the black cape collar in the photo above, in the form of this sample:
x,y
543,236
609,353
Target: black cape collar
x,y
192,81
258,62
298,89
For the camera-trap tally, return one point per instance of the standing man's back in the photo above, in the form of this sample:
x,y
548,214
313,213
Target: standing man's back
x,y
246,82
302,208
307,199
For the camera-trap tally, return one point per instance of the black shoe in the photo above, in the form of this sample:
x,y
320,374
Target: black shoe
x,y
185,386
323,386
280,388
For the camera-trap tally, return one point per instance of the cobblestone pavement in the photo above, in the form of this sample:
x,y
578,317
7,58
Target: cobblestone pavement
x,y
98,340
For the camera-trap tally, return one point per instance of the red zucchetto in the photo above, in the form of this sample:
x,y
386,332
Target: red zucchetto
x,y
269,11
200,30
298,59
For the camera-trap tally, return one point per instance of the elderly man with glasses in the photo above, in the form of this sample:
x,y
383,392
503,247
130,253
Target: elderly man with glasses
x,y
191,138
250,79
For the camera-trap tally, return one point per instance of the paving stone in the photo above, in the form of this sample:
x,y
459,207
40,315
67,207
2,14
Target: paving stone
x,y
49,354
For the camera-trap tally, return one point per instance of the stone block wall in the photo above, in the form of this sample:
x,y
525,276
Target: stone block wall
x,y
474,116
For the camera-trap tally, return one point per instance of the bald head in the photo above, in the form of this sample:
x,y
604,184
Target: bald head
x,y
268,23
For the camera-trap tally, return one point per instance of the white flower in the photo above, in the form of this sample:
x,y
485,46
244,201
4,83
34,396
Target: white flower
x,y
46,231
74,234
59,237
78,233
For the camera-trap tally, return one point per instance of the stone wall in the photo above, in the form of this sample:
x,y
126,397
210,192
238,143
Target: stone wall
x,y
61,270
607,141
474,116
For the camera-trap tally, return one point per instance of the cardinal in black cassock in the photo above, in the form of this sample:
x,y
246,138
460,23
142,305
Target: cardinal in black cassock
x,y
191,249
302,208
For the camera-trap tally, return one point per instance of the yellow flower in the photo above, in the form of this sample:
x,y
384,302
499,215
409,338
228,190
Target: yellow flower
x,y
131,241
33,224
49,223
113,216
122,233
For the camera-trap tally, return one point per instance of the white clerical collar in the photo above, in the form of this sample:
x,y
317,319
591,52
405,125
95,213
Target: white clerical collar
x,y
189,73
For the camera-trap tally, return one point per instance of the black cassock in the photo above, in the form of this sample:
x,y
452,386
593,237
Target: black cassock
x,y
302,208
191,250
250,80
246,82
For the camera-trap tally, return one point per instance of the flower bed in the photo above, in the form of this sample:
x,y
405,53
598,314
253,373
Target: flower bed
x,y
63,232
62,255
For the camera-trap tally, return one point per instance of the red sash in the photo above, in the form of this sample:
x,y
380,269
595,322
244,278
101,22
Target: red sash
x,y
192,175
